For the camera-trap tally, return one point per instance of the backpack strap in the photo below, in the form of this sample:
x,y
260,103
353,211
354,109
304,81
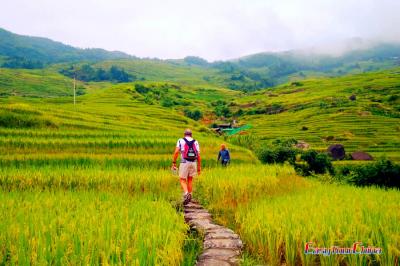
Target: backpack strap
x,y
189,143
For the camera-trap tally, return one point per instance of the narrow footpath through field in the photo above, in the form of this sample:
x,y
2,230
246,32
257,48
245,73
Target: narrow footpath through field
x,y
221,246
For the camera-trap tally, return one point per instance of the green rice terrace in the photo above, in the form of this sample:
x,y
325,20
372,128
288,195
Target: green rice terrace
x,y
91,184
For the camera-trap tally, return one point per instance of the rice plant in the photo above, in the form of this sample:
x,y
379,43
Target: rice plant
x,y
91,228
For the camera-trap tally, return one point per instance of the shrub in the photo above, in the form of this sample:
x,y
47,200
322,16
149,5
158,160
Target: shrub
x,y
195,115
266,155
222,110
284,154
285,142
383,173
204,130
239,112
141,89
279,154
319,163
393,98
167,102
148,99
297,83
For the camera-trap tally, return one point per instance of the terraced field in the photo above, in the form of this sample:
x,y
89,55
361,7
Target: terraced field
x,y
90,183
320,112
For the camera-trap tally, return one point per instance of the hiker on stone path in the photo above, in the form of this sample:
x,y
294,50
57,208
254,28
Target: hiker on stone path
x,y
190,164
224,155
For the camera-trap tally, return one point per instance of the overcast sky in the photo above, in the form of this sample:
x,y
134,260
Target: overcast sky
x,y
212,29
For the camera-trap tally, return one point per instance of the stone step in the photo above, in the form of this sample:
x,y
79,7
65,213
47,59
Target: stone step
x,y
203,225
192,205
194,210
213,262
221,245
197,215
220,233
228,255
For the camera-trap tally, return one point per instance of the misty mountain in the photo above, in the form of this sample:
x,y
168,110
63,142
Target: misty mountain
x,y
21,51
270,69
246,73
314,61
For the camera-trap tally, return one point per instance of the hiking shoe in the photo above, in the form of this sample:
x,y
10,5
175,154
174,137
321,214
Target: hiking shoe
x,y
186,199
190,197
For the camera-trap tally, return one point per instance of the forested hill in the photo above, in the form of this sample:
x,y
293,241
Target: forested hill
x,y
33,52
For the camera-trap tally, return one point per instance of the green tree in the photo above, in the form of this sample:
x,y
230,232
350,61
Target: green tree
x,y
195,115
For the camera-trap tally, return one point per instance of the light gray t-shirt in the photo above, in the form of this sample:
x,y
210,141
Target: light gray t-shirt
x,y
181,145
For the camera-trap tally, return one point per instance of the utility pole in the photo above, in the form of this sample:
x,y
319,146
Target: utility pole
x,y
74,86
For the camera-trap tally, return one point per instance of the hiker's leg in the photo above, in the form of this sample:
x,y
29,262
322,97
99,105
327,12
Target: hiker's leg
x,y
190,184
184,184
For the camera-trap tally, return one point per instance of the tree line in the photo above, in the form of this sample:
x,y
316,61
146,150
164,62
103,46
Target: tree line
x,y
88,73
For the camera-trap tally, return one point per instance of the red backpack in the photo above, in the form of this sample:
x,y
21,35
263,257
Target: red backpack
x,y
190,152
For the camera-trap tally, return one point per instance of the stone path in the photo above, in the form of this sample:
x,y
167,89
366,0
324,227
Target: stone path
x,y
221,246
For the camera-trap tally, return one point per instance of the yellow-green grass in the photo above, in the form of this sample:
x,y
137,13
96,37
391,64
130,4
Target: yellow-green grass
x,y
34,83
90,228
277,212
328,216
135,181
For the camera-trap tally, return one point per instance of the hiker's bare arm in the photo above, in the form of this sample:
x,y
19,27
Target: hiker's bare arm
x,y
176,154
198,164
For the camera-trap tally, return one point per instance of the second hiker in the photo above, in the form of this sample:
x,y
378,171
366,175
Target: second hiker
x,y
190,164
224,156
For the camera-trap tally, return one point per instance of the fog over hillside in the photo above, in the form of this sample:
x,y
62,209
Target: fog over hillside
x,y
215,30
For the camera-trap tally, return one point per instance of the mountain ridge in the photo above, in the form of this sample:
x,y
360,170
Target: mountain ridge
x,y
248,73
49,51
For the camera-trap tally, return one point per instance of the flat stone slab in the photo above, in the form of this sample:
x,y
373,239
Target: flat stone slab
x,y
197,215
192,205
221,229
195,210
219,253
212,262
220,234
202,225
223,243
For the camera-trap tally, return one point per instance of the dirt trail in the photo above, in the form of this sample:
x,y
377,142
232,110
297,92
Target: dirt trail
x,y
221,246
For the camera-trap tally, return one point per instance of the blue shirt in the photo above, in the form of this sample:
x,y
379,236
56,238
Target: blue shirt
x,y
224,155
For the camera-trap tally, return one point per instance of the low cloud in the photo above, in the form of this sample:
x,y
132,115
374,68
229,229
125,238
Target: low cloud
x,y
211,29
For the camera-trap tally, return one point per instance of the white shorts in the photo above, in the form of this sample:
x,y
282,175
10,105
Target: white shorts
x,y
187,169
